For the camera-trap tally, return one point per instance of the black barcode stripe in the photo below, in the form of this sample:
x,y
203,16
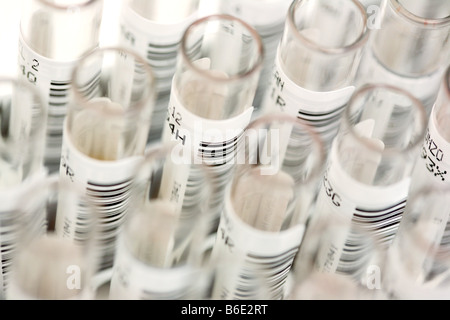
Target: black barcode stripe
x,y
112,200
58,93
273,269
380,211
89,89
9,240
446,236
165,46
382,223
161,56
328,114
220,150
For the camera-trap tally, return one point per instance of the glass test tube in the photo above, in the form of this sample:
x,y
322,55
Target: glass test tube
x,y
50,267
316,62
22,139
53,36
433,163
369,170
266,211
417,265
219,64
268,18
162,250
153,28
410,49
308,281
105,134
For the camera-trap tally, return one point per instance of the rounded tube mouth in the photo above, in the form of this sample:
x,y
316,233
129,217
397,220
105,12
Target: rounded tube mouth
x,y
429,23
420,114
135,107
255,68
314,140
358,42
79,4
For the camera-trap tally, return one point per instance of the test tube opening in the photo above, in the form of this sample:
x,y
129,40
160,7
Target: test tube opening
x,y
220,60
114,95
381,132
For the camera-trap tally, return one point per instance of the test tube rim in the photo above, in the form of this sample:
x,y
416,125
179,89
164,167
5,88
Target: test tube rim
x,y
428,23
133,109
68,7
359,43
387,152
317,140
256,68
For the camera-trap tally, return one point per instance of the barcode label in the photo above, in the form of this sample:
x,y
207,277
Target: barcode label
x,y
433,166
14,218
321,110
52,78
134,280
108,185
215,143
371,209
157,42
259,261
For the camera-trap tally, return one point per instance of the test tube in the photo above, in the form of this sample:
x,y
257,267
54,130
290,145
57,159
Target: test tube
x,y
316,62
53,36
219,64
162,250
369,169
268,18
153,28
308,281
433,164
105,134
47,266
417,265
410,48
22,139
266,212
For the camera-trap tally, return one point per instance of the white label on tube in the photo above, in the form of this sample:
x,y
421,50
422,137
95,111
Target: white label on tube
x,y
433,168
156,42
134,280
213,142
322,110
53,79
434,163
265,257
377,209
107,183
